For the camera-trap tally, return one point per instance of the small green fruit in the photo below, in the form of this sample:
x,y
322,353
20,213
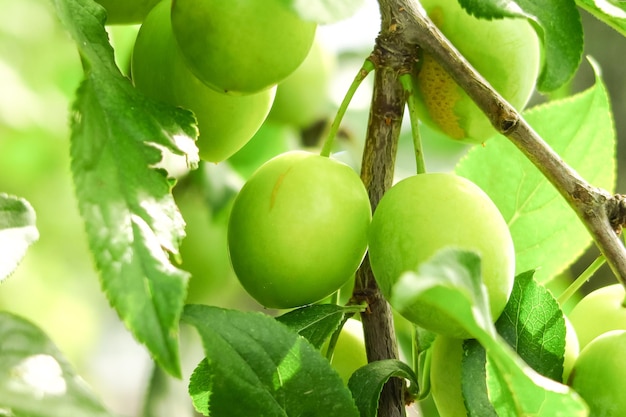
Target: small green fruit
x,y
241,46
226,123
425,213
298,229
445,376
505,51
572,349
349,354
301,97
599,374
598,312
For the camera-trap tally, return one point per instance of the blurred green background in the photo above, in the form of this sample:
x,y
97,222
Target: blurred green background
x,y
56,285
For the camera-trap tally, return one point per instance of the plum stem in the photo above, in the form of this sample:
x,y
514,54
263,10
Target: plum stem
x,y
407,84
582,278
367,67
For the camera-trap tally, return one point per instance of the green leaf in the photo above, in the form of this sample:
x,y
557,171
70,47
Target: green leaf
x,y
17,232
515,391
118,140
324,11
367,383
35,378
547,234
533,325
559,25
474,381
613,13
562,30
318,321
449,284
253,362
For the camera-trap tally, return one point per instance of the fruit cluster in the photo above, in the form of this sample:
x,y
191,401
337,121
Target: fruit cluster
x,y
301,225
223,61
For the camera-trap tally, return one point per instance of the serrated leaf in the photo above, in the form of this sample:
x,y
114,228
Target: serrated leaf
x,y
35,378
474,381
323,11
253,362
367,383
533,325
613,13
514,393
133,225
447,284
18,231
547,234
316,322
562,40
560,30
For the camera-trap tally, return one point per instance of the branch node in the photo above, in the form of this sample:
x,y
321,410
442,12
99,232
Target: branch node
x,y
616,212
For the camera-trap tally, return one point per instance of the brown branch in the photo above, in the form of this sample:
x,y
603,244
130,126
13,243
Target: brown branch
x,y
602,213
403,28
393,56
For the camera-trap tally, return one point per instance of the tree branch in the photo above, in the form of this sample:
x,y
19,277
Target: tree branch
x,y
404,26
393,56
602,213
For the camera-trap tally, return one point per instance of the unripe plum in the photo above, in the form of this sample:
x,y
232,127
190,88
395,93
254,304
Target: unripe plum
x,y
599,374
226,123
298,229
300,98
505,51
241,46
425,213
349,354
598,312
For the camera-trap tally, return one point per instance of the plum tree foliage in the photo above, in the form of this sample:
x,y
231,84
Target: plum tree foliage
x,y
196,181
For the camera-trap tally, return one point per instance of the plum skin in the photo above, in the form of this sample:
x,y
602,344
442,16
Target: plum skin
x,y
298,229
425,213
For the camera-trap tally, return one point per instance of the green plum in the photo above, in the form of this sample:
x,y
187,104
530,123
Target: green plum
x,y
572,348
425,213
270,140
241,46
505,51
598,312
446,368
349,354
126,11
301,97
226,123
298,229
599,373
445,376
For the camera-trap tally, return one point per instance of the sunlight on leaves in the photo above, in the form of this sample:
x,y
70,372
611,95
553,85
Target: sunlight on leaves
x,y
519,387
547,234
17,232
35,379
118,140
253,362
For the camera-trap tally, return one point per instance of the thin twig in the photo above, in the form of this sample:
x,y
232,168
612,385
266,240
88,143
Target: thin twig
x,y
602,213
